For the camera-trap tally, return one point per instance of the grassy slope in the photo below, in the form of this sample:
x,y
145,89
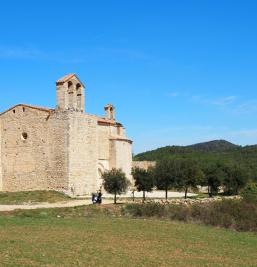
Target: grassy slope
x,y
36,238
31,197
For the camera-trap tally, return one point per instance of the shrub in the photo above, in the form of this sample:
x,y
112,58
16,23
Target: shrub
x,y
151,209
180,213
236,214
250,192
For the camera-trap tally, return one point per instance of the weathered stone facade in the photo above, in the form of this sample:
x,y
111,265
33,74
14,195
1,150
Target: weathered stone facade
x,y
143,164
61,149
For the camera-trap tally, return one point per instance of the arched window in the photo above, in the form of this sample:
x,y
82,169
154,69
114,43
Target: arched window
x,y
70,94
79,96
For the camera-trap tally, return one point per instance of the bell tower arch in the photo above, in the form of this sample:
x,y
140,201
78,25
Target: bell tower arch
x,y
70,93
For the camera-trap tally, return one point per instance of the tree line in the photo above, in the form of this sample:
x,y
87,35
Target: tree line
x,y
184,174
180,174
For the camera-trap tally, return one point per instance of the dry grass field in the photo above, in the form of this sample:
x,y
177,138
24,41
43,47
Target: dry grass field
x,y
90,236
11,198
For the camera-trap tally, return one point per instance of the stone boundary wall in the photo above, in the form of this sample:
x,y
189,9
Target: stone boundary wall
x,y
192,201
143,164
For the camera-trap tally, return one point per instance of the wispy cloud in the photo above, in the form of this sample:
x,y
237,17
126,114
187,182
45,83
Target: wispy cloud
x,y
34,53
223,101
78,55
216,101
15,52
230,103
206,100
247,107
244,133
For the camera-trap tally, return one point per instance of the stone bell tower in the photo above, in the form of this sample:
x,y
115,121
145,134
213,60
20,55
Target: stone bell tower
x,y
70,93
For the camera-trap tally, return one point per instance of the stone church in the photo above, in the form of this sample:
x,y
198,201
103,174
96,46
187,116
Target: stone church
x,y
64,149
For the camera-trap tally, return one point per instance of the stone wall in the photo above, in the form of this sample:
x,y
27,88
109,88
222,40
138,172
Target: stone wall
x,y
1,184
121,156
24,149
57,171
83,153
33,150
143,164
103,132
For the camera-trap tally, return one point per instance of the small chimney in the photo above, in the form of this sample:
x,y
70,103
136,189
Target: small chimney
x,y
109,112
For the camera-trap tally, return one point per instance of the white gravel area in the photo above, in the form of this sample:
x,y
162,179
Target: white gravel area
x,y
154,194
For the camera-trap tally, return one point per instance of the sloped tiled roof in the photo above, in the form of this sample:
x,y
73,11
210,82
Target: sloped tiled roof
x,y
100,120
104,120
118,138
45,109
67,77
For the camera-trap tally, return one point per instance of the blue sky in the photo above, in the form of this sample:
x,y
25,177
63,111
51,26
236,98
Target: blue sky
x,y
178,72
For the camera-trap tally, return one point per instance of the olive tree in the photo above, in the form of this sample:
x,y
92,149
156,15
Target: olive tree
x,y
144,180
214,176
189,175
235,179
165,174
115,182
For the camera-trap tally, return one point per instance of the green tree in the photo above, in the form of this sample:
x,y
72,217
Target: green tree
x,y
236,178
115,182
213,177
189,175
144,180
165,174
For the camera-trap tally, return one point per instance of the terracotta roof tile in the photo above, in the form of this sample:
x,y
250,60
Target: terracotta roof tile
x,y
65,78
118,138
45,109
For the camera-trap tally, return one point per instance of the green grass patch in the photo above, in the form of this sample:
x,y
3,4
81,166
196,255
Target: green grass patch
x,y
88,236
7,198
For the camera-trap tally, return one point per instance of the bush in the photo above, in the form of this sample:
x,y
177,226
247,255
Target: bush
x,y
250,193
179,213
151,209
235,214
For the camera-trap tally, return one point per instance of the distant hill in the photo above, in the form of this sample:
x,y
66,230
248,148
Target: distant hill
x,y
214,146
170,151
212,151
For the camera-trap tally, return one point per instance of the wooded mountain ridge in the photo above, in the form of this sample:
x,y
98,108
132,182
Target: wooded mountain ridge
x,y
208,152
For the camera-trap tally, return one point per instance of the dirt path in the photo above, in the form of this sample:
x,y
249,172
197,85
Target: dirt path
x,y
63,204
80,202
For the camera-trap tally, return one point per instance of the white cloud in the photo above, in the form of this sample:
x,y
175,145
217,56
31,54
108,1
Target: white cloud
x,y
219,101
244,133
33,53
223,101
20,52
247,107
